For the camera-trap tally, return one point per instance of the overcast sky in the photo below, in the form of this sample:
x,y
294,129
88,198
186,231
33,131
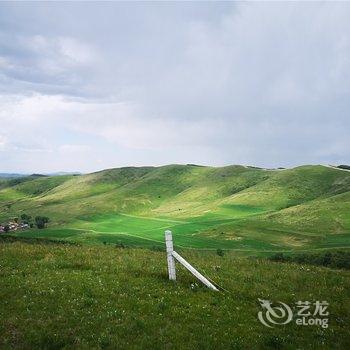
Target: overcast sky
x,y
88,86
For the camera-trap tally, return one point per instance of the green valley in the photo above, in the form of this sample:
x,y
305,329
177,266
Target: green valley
x,y
247,209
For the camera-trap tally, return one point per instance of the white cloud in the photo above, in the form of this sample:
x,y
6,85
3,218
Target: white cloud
x,y
261,83
59,53
46,64
71,149
35,117
3,141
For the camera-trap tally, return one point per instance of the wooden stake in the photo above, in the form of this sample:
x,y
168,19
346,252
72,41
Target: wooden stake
x,y
169,254
190,268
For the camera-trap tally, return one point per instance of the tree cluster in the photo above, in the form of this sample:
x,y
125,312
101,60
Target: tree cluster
x,y
40,221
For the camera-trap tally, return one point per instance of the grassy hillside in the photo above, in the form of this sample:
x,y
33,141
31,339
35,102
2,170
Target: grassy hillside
x,y
233,207
66,296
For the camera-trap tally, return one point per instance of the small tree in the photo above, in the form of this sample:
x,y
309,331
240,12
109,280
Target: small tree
x,y
41,221
26,218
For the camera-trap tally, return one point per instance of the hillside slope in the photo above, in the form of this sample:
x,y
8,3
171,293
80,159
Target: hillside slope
x,y
233,207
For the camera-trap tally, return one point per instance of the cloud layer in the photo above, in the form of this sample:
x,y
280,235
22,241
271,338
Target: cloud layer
x,y
90,86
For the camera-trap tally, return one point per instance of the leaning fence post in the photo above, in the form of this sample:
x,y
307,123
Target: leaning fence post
x,y
172,255
169,254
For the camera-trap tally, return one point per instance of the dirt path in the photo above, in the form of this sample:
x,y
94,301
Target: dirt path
x,y
156,219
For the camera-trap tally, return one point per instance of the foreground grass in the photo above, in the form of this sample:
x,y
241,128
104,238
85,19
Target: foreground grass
x,y
64,296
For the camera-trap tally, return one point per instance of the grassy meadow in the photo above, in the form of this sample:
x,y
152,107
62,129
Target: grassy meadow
x,y
62,296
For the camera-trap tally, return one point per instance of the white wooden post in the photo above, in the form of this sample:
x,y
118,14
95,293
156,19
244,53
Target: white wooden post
x,y
194,272
169,254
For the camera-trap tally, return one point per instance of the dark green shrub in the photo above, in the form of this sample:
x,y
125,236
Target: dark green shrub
x,y
220,252
25,218
277,257
347,167
41,221
337,259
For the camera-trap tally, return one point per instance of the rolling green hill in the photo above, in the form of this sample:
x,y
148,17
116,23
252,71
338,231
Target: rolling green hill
x,y
248,209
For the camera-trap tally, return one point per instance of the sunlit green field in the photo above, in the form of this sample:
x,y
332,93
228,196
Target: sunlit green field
x,y
199,233
249,210
142,231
